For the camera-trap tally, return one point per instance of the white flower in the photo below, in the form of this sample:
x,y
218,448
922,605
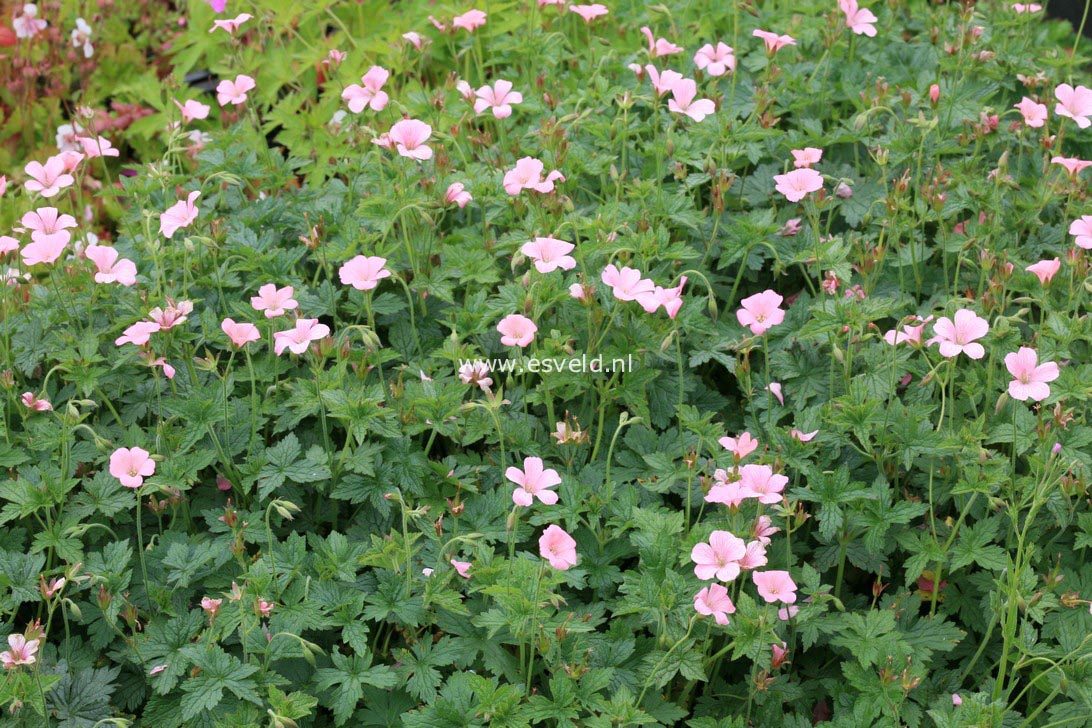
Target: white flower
x,y
66,137
27,25
81,36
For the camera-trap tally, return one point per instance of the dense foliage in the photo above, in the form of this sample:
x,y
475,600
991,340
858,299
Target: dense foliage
x,y
707,364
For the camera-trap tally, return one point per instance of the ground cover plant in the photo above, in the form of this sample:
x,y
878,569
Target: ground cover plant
x,y
537,363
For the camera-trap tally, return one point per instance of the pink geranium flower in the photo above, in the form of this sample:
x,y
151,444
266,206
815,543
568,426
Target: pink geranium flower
x,y
462,568
557,547
274,301
797,184
761,311
803,436
457,194
108,269
409,136
1081,229
1035,114
369,93
1030,377
234,92
27,24
775,389
97,147
231,25
714,600
33,402
240,334
476,373
740,447
533,480
659,46
960,336
469,21
907,334
415,39
773,41
1045,270
755,556
1072,165
775,586
49,232
763,530
1076,103
683,101
8,244
550,254
719,558
138,334
858,19
589,12
179,215
716,61
364,273
760,481
299,338
669,298
662,83
21,651
168,370
517,330
173,315
48,179
192,110
131,466
627,283
527,175
806,157
1020,8
211,606
499,97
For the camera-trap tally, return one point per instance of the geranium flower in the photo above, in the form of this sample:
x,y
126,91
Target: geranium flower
x,y
211,606
8,244
131,466
499,97
241,333
773,41
168,370
858,19
1035,114
550,254
727,489
299,338
457,194
803,436
960,336
409,136
1076,103
533,481
35,403
760,481
797,184
740,447
417,40
234,92
774,388
108,269
192,110
907,334
589,12
761,311
364,273
517,330
1081,229
775,586
173,315
716,61
557,547
527,175
1020,8
138,334
274,301
714,600
3,185
1030,377
719,558
683,101
626,284
231,25
806,157
763,529
66,137
179,215
669,298
48,179
97,147
662,83
26,24
48,229
21,651
1045,270
462,568
755,556
476,373
469,21
1072,165
369,93
659,46
778,655
81,38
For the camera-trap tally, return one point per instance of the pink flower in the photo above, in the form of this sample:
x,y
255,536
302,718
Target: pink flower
x,y
131,466
791,228
775,586
33,402
549,254
298,338
719,558
627,283
787,613
773,41
581,292
364,273
138,334
956,700
1031,378
1082,230
157,669
231,25
669,298
54,586
274,301
457,194
46,250
778,655
21,651
1034,114
527,175
462,567
1076,103
557,547
806,157
97,147
416,40
1023,8
755,556
714,600
465,90
499,97
174,315
1045,270
589,12
683,101
469,21
741,447
763,530
27,25
168,370
1072,165
858,19
796,185
234,92
907,334
775,389
761,311
961,335
662,83
48,179
659,46
8,244
192,110
726,492
760,481
516,330
179,215
108,269
48,227
716,61
3,185
804,436
533,481
240,334
265,608
370,94
211,606
70,159
476,372
409,137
